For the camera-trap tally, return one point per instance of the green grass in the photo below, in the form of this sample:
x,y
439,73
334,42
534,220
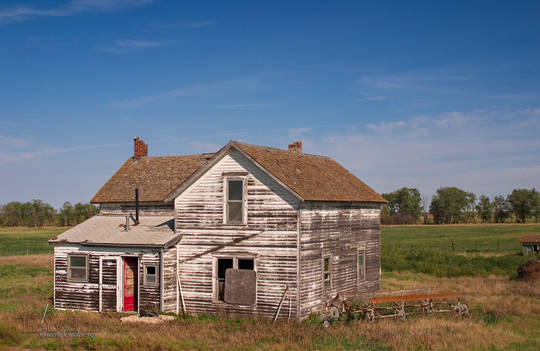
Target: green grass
x,y
27,241
454,250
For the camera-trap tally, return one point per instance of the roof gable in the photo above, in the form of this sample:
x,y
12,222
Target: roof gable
x,y
312,177
155,176
308,177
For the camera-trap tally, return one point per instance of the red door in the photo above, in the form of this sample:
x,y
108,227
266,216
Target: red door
x,y
130,283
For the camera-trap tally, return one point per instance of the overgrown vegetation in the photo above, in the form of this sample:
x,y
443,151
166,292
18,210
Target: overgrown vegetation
x,y
505,311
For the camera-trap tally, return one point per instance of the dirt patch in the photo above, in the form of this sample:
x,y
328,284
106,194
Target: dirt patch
x,y
529,271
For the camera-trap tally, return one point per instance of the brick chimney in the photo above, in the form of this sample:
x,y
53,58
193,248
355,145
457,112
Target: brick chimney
x,y
296,147
140,148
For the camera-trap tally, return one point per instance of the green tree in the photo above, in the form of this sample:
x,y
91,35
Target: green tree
x,y
484,208
501,209
405,204
523,203
448,205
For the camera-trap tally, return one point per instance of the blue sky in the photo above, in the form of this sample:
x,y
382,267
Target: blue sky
x,y
420,94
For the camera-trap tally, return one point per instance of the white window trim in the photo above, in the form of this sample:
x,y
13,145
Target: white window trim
x,y
156,282
226,199
329,272
69,278
215,281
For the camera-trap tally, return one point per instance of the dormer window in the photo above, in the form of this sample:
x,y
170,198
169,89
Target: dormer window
x,y
235,201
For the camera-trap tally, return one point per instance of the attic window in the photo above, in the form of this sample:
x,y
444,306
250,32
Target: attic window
x,y
235,201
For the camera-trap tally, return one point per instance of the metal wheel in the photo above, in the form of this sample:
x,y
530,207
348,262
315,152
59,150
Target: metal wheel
x,y
333,313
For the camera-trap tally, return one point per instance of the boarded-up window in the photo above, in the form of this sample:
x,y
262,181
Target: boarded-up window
x,y
235,201
150,275
327,279
77,268
238,287
361,265
241,287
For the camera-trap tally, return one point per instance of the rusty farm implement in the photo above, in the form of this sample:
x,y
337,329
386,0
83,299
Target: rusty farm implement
x,y
397,304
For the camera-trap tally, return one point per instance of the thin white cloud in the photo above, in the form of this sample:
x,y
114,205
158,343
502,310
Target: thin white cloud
x,y
12,142
220,88
131,45
134,102
370,98
295,133
483,152
239,106
23,13
183,24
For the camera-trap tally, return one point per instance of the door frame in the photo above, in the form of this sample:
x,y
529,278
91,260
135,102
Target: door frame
x,y
118,273
120,295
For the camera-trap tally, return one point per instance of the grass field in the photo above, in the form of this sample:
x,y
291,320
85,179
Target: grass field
x,y
27,241
506,312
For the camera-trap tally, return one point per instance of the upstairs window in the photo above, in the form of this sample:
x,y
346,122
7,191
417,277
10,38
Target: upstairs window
x,y
235,201
77,268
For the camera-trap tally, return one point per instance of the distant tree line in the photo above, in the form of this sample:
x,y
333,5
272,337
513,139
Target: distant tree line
x,y
37,213
453,205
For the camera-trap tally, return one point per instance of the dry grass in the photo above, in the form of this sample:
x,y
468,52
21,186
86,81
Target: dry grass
x,y
493,294
516,303
45,261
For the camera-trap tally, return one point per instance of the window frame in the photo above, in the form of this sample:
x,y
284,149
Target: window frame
x,y
69,268
329,272
226,200
360,274
215,273
145,280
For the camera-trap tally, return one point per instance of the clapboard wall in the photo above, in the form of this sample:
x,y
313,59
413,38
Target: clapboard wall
x,y
270,237
337,230
85,296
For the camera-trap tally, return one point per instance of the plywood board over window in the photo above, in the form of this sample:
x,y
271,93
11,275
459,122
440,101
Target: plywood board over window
x,y
235,280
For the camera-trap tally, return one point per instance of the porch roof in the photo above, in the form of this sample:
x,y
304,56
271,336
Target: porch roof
x,y
103,230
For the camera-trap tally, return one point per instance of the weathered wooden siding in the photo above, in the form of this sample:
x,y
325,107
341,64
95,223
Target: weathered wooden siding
x,y
169,280
85,296
149,295
270,237
145,209
108,287
337,230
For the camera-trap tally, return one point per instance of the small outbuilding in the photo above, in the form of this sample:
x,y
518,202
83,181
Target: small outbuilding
x,y
530,243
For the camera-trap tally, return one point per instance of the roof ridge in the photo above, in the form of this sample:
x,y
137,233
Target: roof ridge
x,y
277,148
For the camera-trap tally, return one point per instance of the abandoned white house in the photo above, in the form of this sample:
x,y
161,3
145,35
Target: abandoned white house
x,y
236,227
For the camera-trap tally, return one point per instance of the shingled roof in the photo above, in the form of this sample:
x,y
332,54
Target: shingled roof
x,y
312,177
155,176
530,238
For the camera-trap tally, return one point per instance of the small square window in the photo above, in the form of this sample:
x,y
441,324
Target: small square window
x,y
150,275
